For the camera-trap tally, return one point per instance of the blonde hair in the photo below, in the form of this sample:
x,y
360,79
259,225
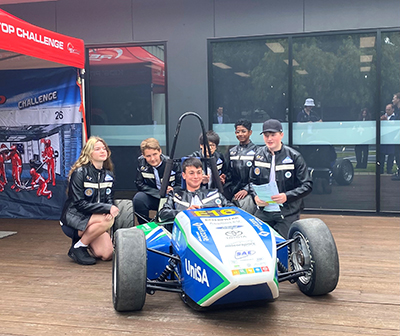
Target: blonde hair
x,y
150,143
86,155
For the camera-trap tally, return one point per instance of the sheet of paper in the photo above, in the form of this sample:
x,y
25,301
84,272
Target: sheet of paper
x,y
265,192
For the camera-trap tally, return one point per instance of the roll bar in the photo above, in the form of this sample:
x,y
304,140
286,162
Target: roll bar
x,y
207,158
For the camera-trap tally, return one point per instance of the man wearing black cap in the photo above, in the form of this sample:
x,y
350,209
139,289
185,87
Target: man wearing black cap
x,y
278,163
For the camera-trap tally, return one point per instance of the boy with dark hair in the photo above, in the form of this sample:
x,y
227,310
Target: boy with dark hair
x,y
241,159
150,171
222,165
193,197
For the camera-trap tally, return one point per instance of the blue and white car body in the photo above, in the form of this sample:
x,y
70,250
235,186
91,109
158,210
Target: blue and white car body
x,y
226,255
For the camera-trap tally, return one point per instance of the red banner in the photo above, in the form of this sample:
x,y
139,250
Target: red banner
x,y
24,38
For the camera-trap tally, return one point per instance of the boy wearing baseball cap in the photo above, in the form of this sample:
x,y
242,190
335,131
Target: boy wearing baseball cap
x,y
280,168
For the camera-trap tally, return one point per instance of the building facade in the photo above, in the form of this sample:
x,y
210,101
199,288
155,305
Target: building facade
x,y
255,59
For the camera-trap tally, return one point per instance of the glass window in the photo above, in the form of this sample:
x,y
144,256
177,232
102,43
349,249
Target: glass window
x,y
127,102
250,81
335,104
390,122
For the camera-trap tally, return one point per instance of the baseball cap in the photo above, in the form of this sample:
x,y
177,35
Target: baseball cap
x,y
309,102
272,125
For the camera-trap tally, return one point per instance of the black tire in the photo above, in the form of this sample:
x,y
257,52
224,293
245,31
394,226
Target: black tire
x,y
316,251
343,172
129,270
326,186
126,217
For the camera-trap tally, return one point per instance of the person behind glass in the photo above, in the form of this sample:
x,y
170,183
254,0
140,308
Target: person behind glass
x,y
241,159
276,162
362,150
220,117
150,170
194,196
89,208
388,150
307,114
396,105
222,164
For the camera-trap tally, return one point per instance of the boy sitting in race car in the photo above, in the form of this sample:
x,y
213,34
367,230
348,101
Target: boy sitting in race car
x,y
193,197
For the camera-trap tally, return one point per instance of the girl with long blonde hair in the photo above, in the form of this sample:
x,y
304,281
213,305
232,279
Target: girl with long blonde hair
x,y
89,210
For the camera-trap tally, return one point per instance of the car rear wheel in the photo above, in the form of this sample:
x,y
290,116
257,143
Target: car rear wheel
x,y
129,270
315,251
343,172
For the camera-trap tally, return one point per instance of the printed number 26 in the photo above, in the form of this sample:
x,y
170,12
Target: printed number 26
x,y
59,114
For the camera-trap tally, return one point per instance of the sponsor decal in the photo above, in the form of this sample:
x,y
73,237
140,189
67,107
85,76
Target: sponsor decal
x,y
263,233
89,192
250,270
196,273
234,234
257,171
244,254
288,174
229,227
201,234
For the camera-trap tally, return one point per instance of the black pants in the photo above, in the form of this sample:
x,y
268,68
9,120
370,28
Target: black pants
x,y
143,203
277,221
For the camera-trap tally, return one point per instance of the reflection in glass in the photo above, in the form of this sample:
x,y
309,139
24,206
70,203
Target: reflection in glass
x,y
127,102
336,83
250,80
390,122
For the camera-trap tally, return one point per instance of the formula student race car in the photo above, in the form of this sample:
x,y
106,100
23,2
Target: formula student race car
x,y
219,256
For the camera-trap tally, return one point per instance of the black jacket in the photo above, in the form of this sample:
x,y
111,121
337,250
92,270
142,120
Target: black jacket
x,y
240,161
292,176
222,166
304,117
90,191
146,181
181,200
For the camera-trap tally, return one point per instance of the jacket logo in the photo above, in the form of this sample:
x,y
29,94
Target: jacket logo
x,y
251,153
108,178
89,192
287,159
89,178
